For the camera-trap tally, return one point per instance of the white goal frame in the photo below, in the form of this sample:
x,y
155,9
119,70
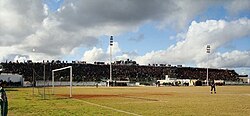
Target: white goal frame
x,y
53,86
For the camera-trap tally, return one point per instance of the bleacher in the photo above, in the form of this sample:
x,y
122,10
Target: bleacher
x,y
133,73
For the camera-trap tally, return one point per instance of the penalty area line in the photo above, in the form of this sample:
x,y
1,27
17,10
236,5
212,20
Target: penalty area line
x,y
122,111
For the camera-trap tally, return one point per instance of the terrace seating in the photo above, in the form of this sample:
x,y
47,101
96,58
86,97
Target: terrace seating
x,y
134,73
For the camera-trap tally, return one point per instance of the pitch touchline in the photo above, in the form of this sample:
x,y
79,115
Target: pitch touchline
x,y
109,108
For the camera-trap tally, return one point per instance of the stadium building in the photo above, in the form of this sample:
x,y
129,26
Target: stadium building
x,y
121,72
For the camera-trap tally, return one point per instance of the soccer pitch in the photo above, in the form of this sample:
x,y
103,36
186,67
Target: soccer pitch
x,y
123,101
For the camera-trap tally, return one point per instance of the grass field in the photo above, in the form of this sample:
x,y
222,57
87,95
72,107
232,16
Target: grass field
x,y
123,101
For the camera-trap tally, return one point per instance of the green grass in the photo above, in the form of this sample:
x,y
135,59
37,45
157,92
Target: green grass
x,y
229,100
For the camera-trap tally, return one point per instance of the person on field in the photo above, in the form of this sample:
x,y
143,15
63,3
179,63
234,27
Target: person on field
x,y
157,84
3,100
96,85
213,87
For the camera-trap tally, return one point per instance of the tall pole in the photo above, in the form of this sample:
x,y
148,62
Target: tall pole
x,y
53,80
33,80
207,75
70,82
33,70
208,51
110,54
44,81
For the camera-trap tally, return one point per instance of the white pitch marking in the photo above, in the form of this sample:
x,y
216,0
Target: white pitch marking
x,y
109,108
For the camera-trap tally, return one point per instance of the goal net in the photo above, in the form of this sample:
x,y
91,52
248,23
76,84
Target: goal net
x,y
62,80
41,82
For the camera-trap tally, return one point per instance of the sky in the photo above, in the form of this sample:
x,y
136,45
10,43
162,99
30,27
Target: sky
x,y
172,32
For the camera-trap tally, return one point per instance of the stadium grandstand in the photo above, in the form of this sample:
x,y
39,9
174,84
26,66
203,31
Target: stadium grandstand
x,y
122,71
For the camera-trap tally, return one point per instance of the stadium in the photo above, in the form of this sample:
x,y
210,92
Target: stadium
x,y
133,87
123,74
124,57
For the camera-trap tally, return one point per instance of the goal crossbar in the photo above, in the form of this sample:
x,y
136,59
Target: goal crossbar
x,y
53,78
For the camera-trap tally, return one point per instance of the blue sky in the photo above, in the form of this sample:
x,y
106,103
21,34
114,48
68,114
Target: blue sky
x,y
159,39
164,31
53,4
150,38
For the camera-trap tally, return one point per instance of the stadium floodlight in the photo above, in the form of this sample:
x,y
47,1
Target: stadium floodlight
x,y
110,53
53,79
208,51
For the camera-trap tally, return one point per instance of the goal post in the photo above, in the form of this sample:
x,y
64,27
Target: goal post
x,y
53,78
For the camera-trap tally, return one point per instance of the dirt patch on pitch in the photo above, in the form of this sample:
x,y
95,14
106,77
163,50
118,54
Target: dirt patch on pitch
x,y
80,96
130,96
162,94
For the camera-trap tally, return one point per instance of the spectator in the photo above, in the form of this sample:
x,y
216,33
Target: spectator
x,y
133,73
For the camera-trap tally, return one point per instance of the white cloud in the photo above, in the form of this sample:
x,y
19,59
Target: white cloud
x,y
231,59
46,9
127,55
192,49
29,24
98,54
115,48
18,19
236,6
20,58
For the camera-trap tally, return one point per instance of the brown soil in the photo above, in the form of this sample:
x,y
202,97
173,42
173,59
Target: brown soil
x,y
80,96
131,96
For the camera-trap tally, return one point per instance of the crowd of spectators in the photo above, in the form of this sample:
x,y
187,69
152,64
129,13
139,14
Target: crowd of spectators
x,y
201,73
100,72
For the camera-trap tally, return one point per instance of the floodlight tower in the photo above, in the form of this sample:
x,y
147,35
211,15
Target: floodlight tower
x,y
33,71
110,54
208,51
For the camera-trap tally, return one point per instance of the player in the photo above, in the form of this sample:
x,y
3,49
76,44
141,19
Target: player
x,y
96,85
213,87
157,84
3,100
